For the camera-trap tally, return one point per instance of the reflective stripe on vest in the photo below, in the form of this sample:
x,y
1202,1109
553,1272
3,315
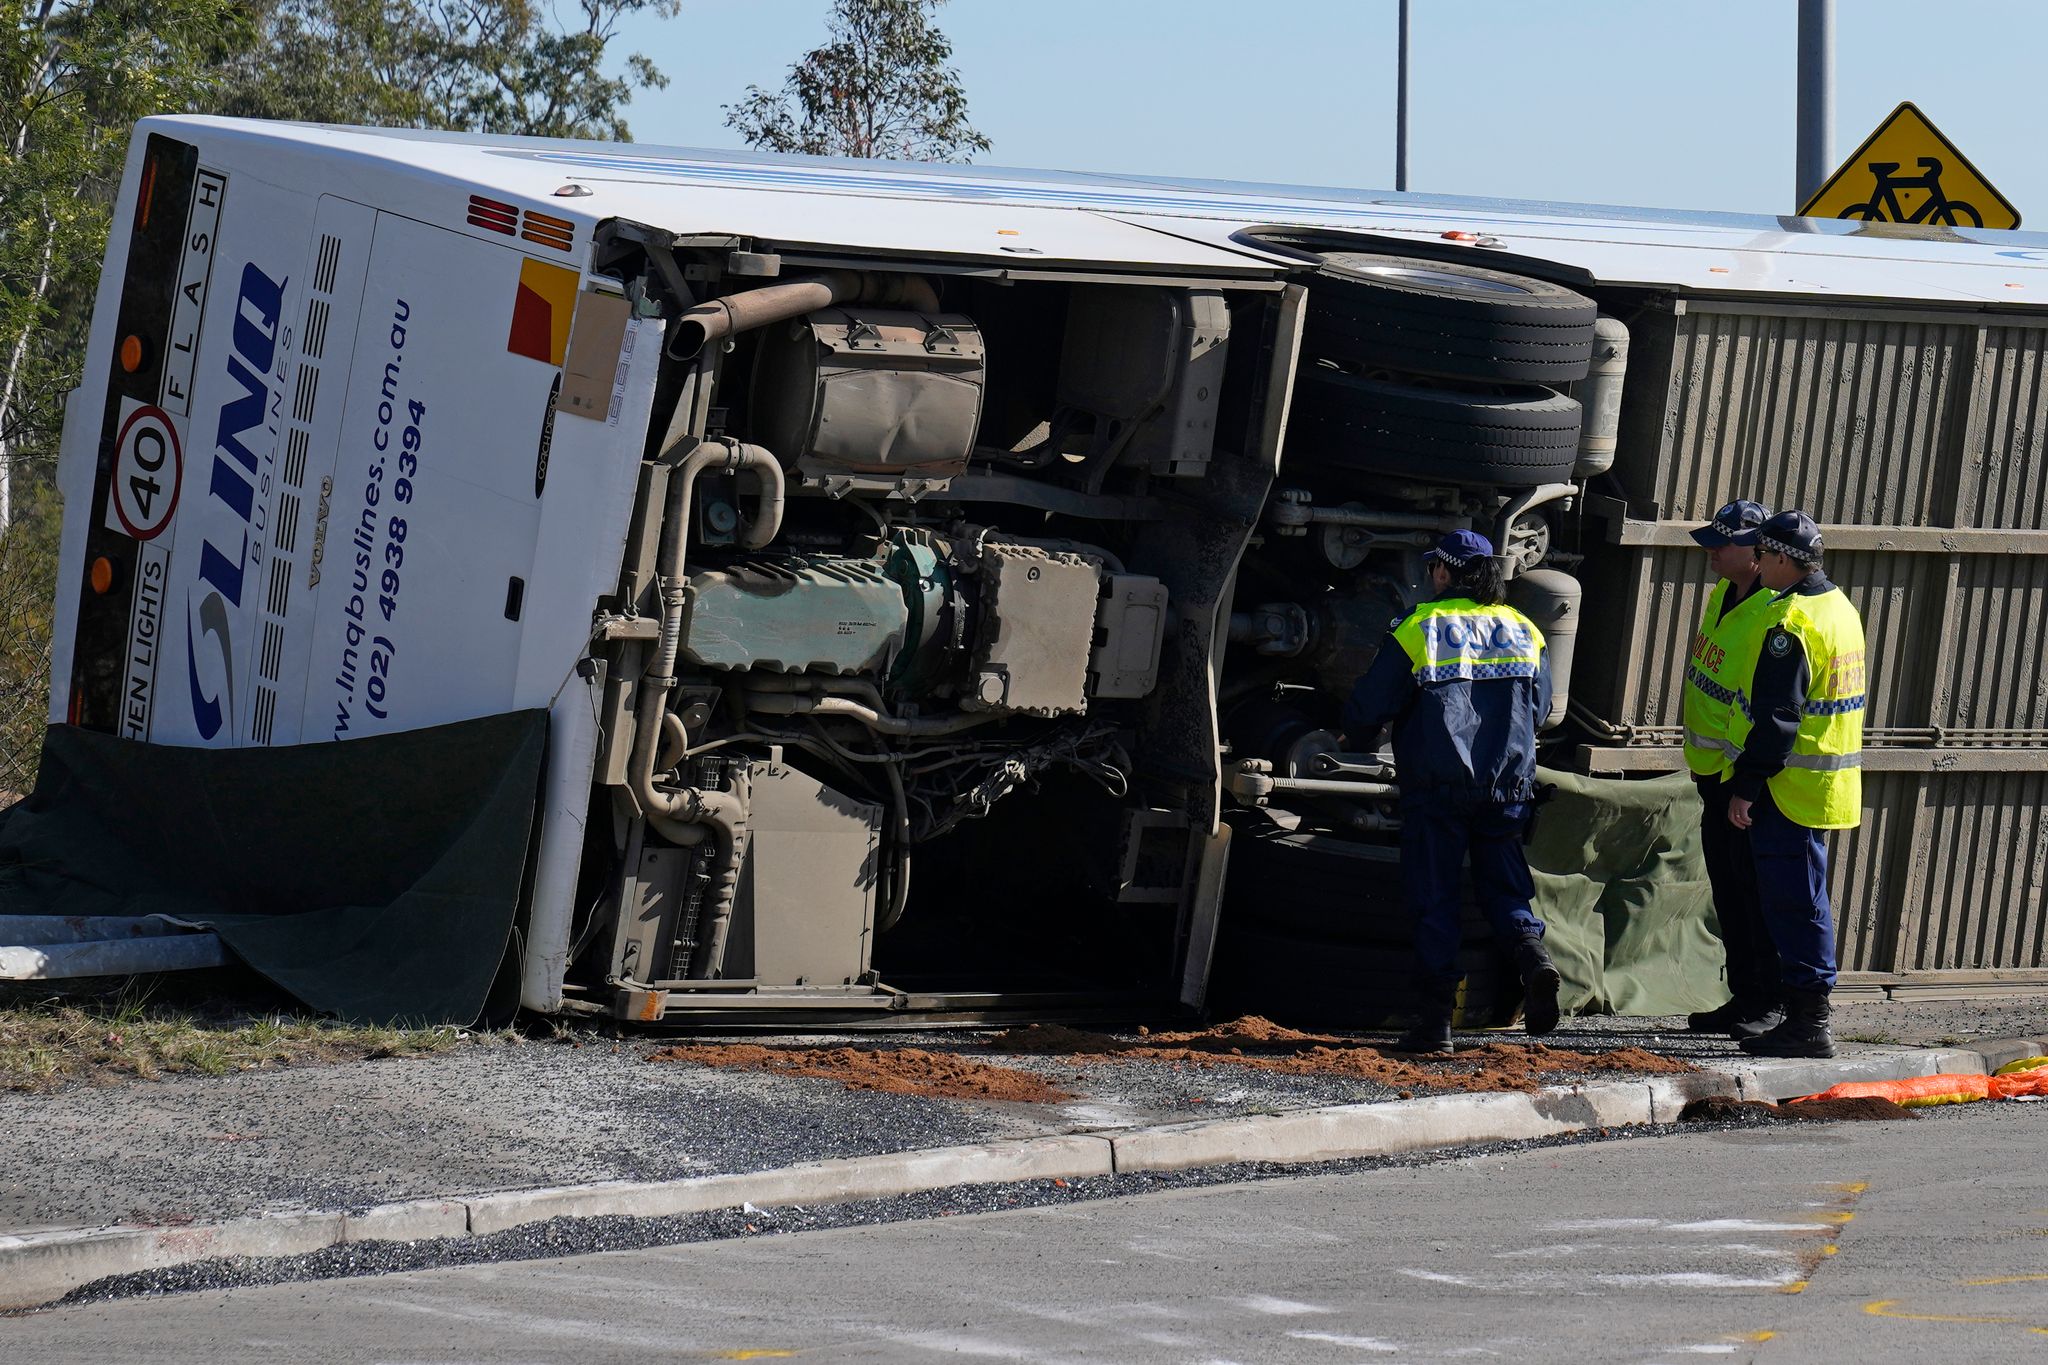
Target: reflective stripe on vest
x,y
1823,763
1457,640
1821,786
1713,684
1718,743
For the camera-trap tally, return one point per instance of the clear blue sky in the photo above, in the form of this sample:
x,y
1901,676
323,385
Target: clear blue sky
x,y
1669,103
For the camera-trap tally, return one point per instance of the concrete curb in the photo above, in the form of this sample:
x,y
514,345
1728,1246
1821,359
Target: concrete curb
x,y
39,1268
812,1182
1783,1080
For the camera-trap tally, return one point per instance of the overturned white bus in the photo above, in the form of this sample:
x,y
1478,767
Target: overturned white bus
x,y
940,582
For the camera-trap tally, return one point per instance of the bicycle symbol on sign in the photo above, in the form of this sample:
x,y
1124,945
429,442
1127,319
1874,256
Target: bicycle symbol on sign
x,y
1883,204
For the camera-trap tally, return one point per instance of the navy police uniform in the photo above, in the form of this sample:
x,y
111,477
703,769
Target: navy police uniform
x,y
1799,772
1464,685
1724,642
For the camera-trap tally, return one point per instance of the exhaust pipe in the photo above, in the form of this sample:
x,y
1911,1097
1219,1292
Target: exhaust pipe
x,y
723,317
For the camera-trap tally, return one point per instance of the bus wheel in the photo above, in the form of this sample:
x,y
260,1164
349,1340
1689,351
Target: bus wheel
x,y
1506,436
1316,930
1301,881
1310,982
1447,319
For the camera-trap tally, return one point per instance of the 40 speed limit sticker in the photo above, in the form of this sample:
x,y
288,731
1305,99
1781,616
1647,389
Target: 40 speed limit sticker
x,y
149,464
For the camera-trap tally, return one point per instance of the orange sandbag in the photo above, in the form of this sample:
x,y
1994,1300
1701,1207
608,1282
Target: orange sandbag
x,y
2016,1084
1916,1092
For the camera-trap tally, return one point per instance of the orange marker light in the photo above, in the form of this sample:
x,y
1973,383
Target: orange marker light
x,y
102,574
131,354
1460,236
1006,232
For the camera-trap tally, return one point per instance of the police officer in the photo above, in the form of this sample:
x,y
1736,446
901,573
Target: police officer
x,y
1800,770
1464,680
1728,631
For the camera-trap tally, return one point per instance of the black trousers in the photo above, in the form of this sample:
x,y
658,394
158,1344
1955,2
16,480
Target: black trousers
x,y
1792,891
1753,971
1437,835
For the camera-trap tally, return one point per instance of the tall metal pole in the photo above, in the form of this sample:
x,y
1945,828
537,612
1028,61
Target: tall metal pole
x,y
1816,138
1401,108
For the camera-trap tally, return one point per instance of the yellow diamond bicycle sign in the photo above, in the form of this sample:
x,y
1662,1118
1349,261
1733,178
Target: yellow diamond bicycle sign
x,y
1907,172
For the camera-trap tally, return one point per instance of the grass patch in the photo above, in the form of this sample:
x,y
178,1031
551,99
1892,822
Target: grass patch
x,y
1878,1036
144,1031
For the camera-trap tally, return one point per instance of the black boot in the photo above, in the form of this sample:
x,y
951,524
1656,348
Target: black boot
x,y
1804,1033
1431,1031
1738,1019
1714,1020
1753,1018
1540,983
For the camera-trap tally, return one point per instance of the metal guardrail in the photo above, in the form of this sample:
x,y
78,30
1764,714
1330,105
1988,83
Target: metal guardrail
x,y
56,947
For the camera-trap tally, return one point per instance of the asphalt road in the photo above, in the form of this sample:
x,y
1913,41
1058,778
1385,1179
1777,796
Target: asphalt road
x,y
1828,1242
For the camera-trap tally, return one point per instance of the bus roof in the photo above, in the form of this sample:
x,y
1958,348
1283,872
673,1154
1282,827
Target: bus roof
x,y
1184,224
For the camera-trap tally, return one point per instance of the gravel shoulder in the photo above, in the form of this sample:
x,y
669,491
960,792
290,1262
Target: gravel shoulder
x,y
350,1134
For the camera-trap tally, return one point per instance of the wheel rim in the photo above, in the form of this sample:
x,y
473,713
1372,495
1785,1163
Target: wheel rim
x,y
1439,279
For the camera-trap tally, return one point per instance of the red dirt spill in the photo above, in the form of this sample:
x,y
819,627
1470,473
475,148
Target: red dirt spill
x,y
1266,1046
900,1070
1249,1042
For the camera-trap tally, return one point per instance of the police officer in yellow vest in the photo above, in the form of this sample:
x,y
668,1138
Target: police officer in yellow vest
x,y
1798,722
1465,680
1728,633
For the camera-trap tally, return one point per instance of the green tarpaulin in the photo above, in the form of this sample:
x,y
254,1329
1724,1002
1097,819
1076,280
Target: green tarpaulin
x,y
375,879
1622,888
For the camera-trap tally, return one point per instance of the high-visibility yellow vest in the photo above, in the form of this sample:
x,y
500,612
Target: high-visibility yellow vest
x,y
1821,786
1455,639
1710,685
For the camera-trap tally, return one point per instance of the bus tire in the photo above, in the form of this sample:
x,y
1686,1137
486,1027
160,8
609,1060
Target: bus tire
x,y
1323,886
1507,437
1310,982
1447,319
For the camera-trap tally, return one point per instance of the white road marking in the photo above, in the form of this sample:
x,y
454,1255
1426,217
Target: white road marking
x,y
1745,1225
1145,1246
1352,1343
1603,1224
1562,1249
1696,1279
1280,1308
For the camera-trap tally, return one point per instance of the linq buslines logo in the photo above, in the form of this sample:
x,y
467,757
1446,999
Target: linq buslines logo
x,y
149,466
231,495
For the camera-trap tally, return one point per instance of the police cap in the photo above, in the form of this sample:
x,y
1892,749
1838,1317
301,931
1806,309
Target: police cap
x,y
1735,524
1793,535
1460,548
